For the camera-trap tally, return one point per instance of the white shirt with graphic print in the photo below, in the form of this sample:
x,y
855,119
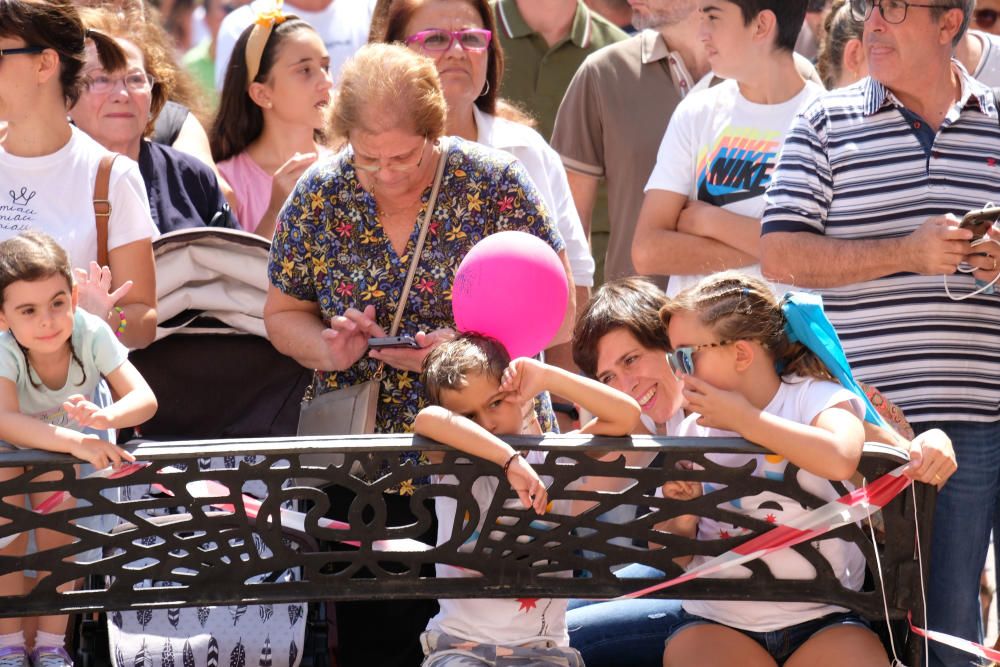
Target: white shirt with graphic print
x,y
799,400
509,622
55,194
720,148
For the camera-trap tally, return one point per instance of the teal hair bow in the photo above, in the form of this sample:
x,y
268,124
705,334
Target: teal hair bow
x,y
806,323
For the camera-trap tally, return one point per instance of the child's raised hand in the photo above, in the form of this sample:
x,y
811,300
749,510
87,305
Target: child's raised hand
x,y
726,410
524,378
100,453
525,481
94,290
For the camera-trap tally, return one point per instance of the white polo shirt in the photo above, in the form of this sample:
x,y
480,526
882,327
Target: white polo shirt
x,y
548,174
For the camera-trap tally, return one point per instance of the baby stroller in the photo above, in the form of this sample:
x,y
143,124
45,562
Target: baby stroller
x,y
215,375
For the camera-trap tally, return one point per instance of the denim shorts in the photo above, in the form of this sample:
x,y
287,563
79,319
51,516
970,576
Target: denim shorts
x,y
780,644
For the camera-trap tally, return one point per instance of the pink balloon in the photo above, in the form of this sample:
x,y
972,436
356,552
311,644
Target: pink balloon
x,y
511,286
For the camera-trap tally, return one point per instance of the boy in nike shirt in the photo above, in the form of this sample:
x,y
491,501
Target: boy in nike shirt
x,y
705,197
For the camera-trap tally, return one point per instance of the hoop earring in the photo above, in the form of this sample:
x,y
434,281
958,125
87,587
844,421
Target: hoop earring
x,y
486,89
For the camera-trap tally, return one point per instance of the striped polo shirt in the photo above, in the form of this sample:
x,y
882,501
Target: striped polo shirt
x,y
856,164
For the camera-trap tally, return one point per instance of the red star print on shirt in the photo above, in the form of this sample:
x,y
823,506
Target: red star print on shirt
x,y
770,518
723,534
527,603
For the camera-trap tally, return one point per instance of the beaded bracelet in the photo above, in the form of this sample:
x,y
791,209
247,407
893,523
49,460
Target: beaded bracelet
x,y
506,466
122,322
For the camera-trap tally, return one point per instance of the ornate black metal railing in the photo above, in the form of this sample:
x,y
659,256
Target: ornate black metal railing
x,y
184,531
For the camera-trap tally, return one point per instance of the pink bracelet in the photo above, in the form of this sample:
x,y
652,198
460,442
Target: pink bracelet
x,y
122,321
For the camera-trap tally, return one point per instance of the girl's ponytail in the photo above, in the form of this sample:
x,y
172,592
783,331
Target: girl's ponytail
x,y
797,359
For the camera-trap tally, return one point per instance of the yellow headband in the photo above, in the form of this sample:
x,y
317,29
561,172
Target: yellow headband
x,y
263,25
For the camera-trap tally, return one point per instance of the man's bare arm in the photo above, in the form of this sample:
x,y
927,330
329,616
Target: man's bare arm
x,y
813,260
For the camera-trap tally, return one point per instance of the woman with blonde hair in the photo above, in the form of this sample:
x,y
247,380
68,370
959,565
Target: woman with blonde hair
x,y
341,251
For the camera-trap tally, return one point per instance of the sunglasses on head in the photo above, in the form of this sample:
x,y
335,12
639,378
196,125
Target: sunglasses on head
x,y
985,18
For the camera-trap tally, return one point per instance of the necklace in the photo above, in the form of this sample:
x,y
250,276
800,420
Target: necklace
x,y
382,212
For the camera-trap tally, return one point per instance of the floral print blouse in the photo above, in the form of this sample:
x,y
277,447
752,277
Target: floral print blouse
x,y
329,247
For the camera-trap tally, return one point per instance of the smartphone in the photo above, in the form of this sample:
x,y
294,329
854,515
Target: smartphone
x,y
394,341
980,220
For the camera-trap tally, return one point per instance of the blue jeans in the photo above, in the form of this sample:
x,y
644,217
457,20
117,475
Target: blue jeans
x,y
781,644
624,632
966,512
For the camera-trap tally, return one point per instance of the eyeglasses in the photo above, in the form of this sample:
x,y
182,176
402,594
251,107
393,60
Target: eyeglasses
x,y
681,359
893,11
470,39
985,18
21,49
135,82
397,166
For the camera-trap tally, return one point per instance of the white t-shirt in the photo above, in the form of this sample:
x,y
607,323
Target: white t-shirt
x,y
495,621
55,194
343,25
720,149
548,174
798,400
95,346
988,70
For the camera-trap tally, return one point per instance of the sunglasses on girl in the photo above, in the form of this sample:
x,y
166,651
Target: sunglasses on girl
x,y
985,18
681,359
436,40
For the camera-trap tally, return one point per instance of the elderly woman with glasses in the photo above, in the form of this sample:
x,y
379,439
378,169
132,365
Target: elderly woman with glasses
x,y
340,254
119,109
458,36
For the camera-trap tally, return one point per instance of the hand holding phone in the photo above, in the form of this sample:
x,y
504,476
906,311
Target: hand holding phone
x,y
393,341
980,220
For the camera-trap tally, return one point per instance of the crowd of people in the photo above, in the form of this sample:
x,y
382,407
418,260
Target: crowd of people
x,y
688,161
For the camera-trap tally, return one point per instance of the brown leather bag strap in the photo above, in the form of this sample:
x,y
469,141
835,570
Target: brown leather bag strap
x,y
102,205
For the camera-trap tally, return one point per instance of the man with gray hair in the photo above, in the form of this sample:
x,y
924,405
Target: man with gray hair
x,y
864,205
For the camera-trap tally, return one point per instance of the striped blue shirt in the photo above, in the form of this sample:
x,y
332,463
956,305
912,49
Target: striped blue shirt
x,y
857,165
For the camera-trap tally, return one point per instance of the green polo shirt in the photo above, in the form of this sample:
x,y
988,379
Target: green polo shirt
x,y
536,76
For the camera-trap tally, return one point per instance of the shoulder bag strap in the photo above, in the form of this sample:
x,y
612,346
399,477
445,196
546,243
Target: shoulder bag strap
x,y
418,248
102,205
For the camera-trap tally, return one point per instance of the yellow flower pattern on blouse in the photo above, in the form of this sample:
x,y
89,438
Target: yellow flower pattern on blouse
x,y
329,248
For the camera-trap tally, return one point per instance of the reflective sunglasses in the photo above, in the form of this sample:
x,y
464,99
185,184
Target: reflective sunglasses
x,y
681,359
392,166
134,82
20,50
893,11
436,40
985,18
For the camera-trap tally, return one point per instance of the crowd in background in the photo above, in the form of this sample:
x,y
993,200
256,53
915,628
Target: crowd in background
x,y
821,145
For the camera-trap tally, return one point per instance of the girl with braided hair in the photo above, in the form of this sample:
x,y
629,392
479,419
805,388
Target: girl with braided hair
x,y
743,377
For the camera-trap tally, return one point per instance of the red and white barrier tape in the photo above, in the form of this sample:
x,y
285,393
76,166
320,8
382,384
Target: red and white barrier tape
x,y
848,509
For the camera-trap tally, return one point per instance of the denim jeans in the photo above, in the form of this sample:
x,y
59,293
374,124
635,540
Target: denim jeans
x,y
781,644
965,513
623,632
